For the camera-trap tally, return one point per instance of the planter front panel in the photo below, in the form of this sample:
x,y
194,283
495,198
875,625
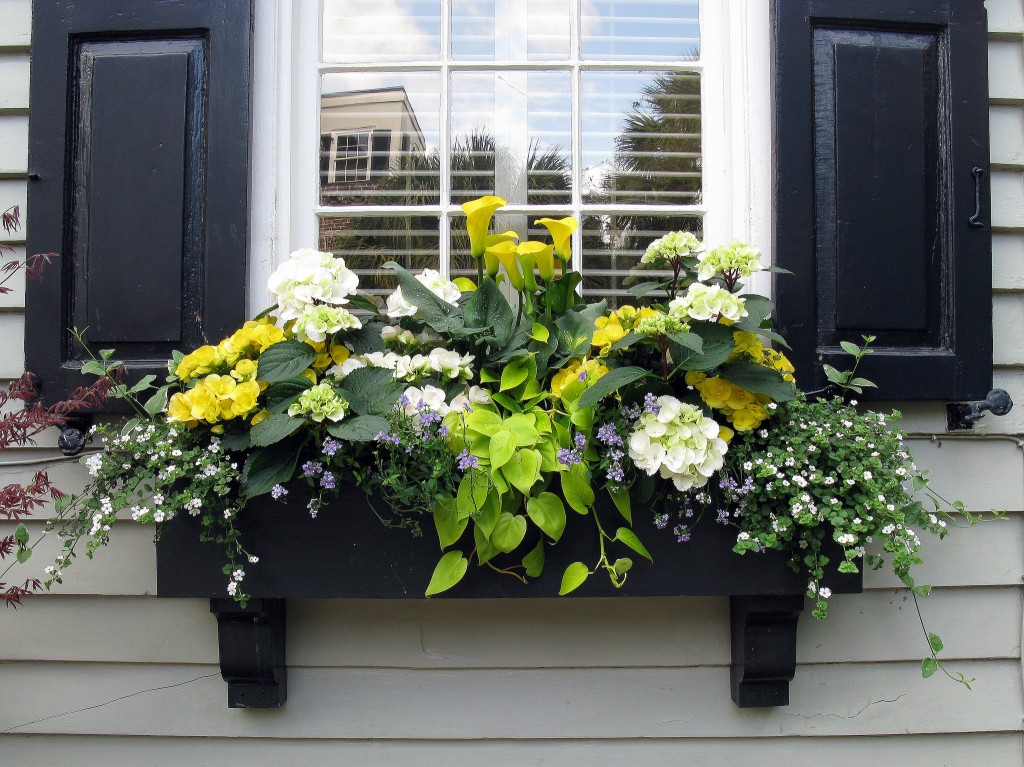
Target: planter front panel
x,y
346,553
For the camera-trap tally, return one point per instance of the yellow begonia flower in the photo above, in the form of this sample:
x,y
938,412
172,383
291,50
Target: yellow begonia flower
x,y
243,398
716,392
310,374
180,411
260,416
571,373
561,232
543,256
695,378
726,434
608,332
748,418
478,221
202,361
244,370
747,343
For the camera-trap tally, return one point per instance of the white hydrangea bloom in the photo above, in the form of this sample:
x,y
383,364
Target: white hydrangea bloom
x,y
679,442
735,257
309,277
321,320
441,287
708,302
673,245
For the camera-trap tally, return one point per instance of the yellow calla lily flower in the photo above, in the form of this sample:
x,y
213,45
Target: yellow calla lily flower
x,y
490,260
478,221
507,254
561,232
542,255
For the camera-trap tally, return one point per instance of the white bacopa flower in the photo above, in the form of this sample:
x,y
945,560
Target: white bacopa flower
x,y
310,277
445,289
94,463
689,449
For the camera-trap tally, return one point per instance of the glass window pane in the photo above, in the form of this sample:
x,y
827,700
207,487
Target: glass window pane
x,y
368,242
381,30
378,139
511,136
612,245
641,137
640,30
510,30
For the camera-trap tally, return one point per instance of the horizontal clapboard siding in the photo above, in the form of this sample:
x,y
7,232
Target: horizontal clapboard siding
x,y
470,704
906,751
546,633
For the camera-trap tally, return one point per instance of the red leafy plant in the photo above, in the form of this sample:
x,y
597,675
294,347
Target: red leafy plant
x,y
22,419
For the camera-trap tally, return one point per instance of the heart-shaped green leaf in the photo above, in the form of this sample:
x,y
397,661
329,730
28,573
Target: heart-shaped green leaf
x,y
534,561
628,537
523,470
573,577
449,522
508,532
577,491
502,447
448,572
548,513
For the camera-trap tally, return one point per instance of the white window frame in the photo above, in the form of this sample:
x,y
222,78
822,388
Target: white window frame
x,y
332,167
735,103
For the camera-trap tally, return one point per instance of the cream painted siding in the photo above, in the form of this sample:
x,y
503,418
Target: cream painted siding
x,y
559,682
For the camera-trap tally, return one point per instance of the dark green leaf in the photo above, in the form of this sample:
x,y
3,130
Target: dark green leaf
x,y
366,339
717,347
269,466
284,360
158,402
366,303
758,307
610,382
642,289
21,534
283,393
626,341
435,312
758,379
573,331
935,641
359,428
371,391
690,341
488,308
851,349
273,429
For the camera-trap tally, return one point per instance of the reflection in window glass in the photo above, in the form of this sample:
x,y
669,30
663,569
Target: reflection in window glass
x,y
368,242
378,139
613,245
640,30
511,136
641,137
500,30
381,30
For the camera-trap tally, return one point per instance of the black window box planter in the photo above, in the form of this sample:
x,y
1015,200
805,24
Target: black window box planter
x,y
346,553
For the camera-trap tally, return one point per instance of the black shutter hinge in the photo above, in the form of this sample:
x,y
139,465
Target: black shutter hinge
x,y
962,415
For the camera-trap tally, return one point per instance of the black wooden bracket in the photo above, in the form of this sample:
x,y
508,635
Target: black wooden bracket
x,y
252,660
763,648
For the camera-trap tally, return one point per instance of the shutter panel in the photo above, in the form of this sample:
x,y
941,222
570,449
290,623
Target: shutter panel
x,y
139,135
881,135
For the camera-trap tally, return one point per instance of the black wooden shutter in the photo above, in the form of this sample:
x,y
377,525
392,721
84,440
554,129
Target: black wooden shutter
x,y
882,193
139,158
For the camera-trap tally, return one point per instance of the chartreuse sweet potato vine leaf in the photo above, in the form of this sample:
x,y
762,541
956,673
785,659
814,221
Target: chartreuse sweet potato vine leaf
x,y
448,572
573,578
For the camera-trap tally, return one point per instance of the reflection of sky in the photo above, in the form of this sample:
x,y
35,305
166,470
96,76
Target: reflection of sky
x,y
508,103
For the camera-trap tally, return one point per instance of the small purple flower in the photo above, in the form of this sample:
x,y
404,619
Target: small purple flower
x,y
277,492
608,435
442,431
580,441
330,447
660,521
327,481
582,376
682,533
310,469
403,401
467,461
650,405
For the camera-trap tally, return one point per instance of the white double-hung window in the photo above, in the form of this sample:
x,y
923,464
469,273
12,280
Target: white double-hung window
x,y
635,116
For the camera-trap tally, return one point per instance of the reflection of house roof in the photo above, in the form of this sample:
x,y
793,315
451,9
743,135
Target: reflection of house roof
x,y
393,90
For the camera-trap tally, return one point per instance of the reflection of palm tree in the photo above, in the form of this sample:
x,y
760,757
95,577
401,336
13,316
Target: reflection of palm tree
x,y
368,242
657,160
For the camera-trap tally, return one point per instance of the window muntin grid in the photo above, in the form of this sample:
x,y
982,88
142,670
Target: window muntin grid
x,y
547,85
